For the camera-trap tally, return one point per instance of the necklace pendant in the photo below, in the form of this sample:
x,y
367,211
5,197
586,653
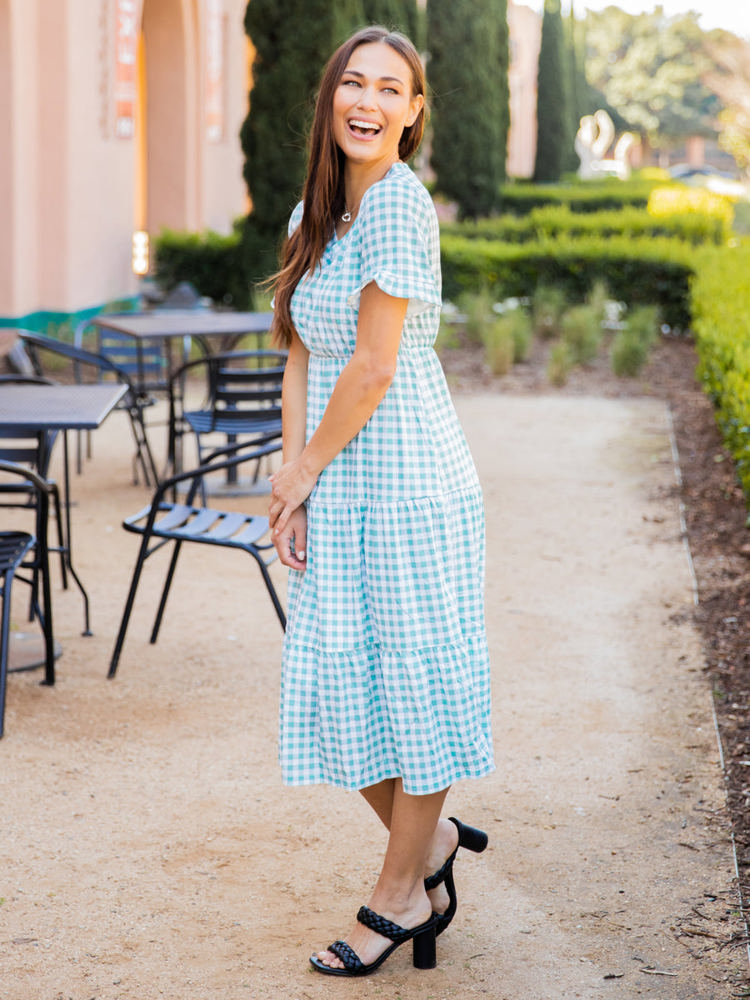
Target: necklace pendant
x,y
346,217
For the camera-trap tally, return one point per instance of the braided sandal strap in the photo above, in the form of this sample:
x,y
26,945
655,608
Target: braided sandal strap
x,y
433,881
381,925
348,956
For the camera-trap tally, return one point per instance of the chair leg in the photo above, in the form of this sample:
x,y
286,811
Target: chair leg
x,y
270,588
165,591
4,642
142,556
143,454
60,534
45,618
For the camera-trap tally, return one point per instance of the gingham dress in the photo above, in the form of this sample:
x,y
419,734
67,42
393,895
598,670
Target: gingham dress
x,y
385,666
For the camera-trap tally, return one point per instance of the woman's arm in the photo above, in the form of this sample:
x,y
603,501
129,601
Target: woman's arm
x,y
291,542
358,391
294,400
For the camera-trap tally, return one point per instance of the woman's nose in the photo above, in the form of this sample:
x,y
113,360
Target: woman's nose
x,y
367,97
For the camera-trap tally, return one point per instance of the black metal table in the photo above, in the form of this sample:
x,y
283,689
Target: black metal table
x,y
60,408
196,323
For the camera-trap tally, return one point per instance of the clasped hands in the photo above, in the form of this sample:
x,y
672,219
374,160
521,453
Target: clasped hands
x,y
287,516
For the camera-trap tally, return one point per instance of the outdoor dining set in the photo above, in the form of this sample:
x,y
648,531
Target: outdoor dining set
x,y
54,389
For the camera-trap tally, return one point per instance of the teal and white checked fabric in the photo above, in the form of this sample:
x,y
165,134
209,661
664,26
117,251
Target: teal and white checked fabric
x,y
385,667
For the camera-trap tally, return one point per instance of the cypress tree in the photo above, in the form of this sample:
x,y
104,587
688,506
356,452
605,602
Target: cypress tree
x,y
552,114
467,44
398,15
576,86
292,42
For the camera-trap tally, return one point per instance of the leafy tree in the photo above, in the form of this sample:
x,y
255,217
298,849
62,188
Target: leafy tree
x,y
553,106
292,42
650,67
467,43
730,81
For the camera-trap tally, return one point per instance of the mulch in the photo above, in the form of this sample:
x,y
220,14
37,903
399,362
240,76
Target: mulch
x,y
716,517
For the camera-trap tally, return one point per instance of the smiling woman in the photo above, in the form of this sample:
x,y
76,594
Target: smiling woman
x,y
377,509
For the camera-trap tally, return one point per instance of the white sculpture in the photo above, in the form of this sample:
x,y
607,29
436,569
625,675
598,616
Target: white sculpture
x,y
592,142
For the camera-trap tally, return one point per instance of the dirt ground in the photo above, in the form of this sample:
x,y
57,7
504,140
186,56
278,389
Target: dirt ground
x,y
149,849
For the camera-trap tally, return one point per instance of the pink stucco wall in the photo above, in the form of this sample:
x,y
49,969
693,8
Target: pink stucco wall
x,y
68,183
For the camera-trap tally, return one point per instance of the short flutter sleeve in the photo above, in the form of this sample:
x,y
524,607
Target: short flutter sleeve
x,y
295,218
400,243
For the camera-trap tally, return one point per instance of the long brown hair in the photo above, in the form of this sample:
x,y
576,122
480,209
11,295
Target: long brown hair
x,y
323,192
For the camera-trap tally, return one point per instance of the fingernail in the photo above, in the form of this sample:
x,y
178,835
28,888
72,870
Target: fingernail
x,y
301,555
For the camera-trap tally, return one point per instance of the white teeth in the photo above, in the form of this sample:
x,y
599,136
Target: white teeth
x,y
356,123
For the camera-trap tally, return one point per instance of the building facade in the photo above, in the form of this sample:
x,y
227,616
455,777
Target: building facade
x,y
120,116
115,116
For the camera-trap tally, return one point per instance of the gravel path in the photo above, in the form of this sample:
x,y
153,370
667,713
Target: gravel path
x,y
149,849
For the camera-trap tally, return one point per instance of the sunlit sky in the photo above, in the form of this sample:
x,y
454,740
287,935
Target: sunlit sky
x,y
732,15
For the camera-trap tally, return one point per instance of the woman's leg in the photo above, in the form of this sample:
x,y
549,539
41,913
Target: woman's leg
x,y
399,893
380,798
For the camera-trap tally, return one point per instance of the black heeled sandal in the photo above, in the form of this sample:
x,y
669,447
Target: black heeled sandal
x,y
422,936
473,840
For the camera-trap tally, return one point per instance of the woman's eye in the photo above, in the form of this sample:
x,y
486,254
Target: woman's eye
x,y
350,83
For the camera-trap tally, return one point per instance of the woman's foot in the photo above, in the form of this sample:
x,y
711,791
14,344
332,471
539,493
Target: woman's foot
x,y
444,844
368,945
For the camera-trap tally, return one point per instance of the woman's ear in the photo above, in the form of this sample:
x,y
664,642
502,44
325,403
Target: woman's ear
x,y
415,107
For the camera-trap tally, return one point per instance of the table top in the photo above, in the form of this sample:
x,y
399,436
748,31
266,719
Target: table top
x,y
181,323
58,407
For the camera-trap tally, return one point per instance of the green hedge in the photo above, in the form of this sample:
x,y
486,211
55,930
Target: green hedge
x,y
211,262
720,300
637,271
592,196
551,221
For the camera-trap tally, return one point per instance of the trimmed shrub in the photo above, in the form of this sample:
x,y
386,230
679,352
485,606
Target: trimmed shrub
x,y
550,221
213,263
678,199
641,272
588,196
721,320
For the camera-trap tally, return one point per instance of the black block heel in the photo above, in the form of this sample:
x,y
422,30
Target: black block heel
x,y
425,951
469,837
473,840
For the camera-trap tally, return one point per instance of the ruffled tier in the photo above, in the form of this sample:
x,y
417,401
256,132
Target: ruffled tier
x,y
385,667
355,718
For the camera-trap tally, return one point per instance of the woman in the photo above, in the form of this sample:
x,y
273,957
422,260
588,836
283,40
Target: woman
x,y
377,509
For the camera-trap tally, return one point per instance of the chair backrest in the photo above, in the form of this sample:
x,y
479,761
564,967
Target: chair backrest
x,y
87,365
245,382
147,363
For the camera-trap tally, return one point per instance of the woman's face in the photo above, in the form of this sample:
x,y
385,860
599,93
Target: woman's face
x,y
373,103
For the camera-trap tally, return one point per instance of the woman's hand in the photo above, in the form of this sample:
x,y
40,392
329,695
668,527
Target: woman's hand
x,y
291,542
290,487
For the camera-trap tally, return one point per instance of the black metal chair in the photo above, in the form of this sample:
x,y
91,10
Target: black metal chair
x,y
31,449
164,521
242,400
20,550
90,366
147,363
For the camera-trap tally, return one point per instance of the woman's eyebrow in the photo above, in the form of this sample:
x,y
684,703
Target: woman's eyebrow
x,y
383,79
